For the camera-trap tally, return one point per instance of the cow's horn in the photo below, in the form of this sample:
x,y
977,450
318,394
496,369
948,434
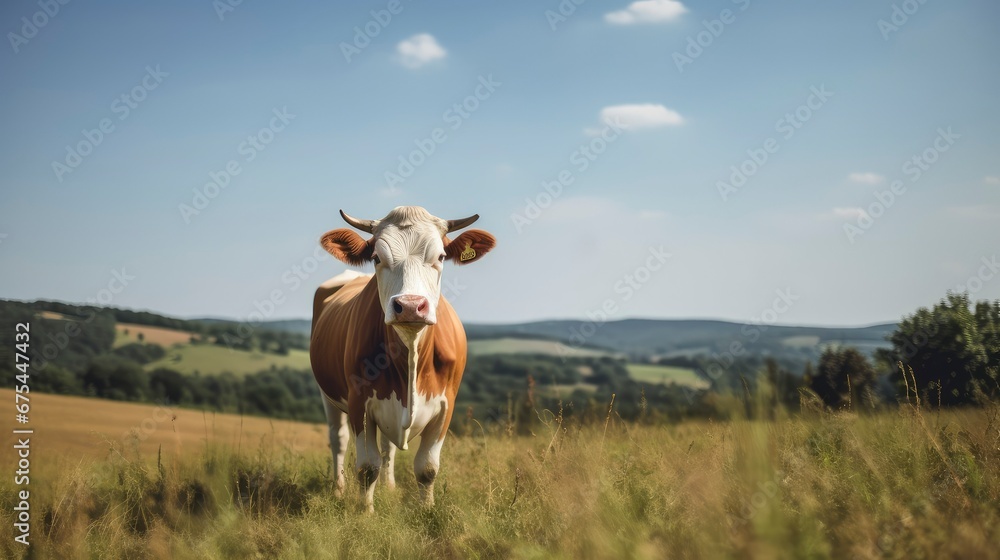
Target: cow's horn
x,y
363,225
454,225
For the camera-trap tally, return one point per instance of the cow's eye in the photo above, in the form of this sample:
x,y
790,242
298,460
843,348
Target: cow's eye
x,y
376,260
441,258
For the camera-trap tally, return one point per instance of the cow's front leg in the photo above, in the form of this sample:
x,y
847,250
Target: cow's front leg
x,y
339,438
368,463
388,462
428,461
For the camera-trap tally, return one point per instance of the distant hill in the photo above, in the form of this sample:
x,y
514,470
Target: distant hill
x,y
226,366
682,337
638,340
298,326
643,339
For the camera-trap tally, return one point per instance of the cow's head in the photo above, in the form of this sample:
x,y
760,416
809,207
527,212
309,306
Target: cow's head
x,y
409,247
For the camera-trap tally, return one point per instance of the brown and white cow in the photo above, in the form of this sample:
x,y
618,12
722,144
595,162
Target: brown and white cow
x,y
388,351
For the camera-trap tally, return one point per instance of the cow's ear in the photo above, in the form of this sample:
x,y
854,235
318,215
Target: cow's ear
x,y
347,246
469,247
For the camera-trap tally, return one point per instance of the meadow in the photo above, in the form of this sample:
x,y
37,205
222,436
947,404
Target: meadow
x,y
903,483
128,333
210,359
507,345
650,373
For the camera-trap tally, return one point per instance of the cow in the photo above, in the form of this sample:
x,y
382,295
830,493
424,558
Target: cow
x,y
387,350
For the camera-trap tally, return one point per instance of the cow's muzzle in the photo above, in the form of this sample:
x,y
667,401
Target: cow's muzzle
x,y
410,309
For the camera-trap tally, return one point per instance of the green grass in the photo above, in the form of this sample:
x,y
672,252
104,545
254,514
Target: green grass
x,y
803,341
210,359
530,346
900,484
128,333
665,374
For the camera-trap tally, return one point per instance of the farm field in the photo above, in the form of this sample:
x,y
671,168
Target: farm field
x,y
508,345
78,428
801,341
127,333
666,374
210,358
900,484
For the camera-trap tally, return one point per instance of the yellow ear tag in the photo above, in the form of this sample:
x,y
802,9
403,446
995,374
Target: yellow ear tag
x,y
468,254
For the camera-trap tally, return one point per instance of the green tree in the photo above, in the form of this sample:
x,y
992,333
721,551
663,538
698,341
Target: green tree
x,y
782,386
952,349
843,377
117,378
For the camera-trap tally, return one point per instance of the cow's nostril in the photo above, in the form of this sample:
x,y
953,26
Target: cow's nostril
x,y
397,307
422,307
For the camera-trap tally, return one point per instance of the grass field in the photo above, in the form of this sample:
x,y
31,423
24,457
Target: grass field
x,y
52,315
80,428
529,346
901,484
209,359
666,374
802,341
127,333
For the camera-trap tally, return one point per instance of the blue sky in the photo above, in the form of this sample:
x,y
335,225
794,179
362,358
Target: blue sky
x,y
198,84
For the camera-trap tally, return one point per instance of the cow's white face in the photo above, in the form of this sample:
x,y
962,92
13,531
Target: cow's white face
x,y
408,266
408,248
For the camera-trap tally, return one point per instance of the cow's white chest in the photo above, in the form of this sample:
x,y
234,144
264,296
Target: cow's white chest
x,y
402,423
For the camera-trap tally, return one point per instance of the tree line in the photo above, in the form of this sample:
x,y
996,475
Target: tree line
x,y
944,355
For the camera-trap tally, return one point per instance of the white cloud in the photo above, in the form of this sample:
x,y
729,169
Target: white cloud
x,y
647,11
635,117
866,178
583,209
419,50
992,180
849,213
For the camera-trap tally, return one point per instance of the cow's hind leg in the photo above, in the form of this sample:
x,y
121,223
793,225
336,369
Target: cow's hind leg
x,y
339,438
388,462
428,461
368,463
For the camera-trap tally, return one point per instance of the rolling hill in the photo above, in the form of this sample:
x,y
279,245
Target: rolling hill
x,y
644,339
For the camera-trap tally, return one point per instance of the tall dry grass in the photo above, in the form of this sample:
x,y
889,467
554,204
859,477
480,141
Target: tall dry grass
x,y
903,484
